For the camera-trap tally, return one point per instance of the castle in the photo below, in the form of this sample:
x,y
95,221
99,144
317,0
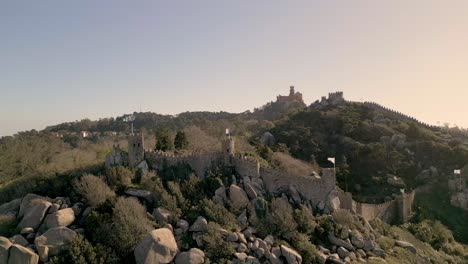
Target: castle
x,y
318,191
292,97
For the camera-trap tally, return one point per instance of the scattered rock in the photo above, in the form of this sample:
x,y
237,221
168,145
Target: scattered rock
x,y
200,225
184,225
193,256
292,257
241,256
340,242
28,202
158,247
342,252
232,237
162,215
406,245
356,239
250,191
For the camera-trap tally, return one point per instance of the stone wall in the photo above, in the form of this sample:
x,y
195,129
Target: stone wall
x,y
246,166
396,211
200,163
313,188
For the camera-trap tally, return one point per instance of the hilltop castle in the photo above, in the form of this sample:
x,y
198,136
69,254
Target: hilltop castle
x,y
292,97
317,191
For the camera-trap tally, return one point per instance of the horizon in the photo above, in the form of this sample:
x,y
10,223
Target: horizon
x,y
63,62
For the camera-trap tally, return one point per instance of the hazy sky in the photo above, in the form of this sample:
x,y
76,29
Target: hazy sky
x,y
67,60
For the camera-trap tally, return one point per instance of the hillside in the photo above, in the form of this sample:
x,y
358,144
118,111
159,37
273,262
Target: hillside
x,y
219,211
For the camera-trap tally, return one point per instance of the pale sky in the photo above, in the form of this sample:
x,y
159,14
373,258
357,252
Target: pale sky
x,y
68,60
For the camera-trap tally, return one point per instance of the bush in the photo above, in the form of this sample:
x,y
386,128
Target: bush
x,y
217,248
217,213
432,232
131,224
119,176
302,244
345,218
385,243
162,198
305,220
94,189
81,251
281,217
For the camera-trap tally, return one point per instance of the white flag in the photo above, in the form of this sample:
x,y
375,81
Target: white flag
x,y
227,131
457,172
332,160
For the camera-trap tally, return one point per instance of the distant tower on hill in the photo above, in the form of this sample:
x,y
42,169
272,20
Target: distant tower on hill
x,y
136,145
228,147
136,149
292,97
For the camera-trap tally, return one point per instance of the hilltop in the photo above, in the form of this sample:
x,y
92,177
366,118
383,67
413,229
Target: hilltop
x,y
272,197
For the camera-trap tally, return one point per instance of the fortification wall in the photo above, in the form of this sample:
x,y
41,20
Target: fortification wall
x,y
246,166
200,163
312,188
398,210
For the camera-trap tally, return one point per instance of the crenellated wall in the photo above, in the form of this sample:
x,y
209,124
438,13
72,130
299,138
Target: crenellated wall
x,y
200,163
313,188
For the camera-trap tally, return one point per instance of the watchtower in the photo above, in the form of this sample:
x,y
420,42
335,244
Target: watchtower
x,y
228,147
291,91
136,149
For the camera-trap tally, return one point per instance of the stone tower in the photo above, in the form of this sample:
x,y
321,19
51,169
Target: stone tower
x,y
291,91
136,149
228,147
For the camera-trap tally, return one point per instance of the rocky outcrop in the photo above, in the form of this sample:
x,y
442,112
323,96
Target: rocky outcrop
x,y
158,247
5,245
64,217
22,255
34,214
238,197
193,256
291,256
53,241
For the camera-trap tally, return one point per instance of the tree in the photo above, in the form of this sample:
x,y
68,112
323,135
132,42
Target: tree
x,y
163,140
180,141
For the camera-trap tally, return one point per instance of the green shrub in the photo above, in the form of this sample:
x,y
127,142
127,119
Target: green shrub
x,y
385,243
94,189
305,220
217,248
81,251
119,177
131,224
217,213
281,217
302,244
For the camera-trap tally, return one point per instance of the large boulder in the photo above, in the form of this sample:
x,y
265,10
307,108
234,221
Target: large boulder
x,y
238,196
162,215
53,241
158,247
19,240
28,202
340,242
64,217
291,256
356,239
22,255
193,256
200,225
10,207
34,215
333,201
5,245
